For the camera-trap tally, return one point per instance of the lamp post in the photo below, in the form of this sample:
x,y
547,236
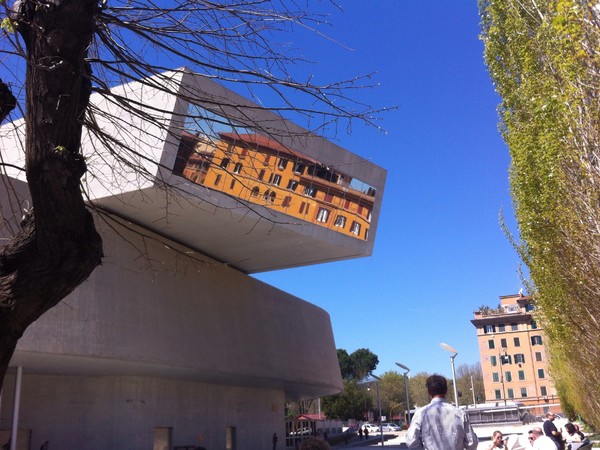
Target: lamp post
x,y
403,367
378,405
454,352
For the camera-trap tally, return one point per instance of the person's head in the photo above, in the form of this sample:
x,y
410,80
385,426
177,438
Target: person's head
x,y
570,428
550,415
436,385
535,433
315,443
497,436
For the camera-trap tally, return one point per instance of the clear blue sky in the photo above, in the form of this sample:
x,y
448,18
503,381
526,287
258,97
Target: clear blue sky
x,y
439,252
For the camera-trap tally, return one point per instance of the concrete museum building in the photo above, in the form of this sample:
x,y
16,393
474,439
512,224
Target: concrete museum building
x,y
171,343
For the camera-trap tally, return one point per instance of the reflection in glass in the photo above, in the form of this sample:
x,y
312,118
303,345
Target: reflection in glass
x,y
256,168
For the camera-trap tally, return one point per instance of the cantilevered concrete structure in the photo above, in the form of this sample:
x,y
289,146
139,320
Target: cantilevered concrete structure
x,y
170,343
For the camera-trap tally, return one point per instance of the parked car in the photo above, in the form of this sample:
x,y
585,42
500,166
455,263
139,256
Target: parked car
x,y
304,431
390,427
369,426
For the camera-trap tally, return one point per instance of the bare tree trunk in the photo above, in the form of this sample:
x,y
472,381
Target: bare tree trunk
x,y
58,246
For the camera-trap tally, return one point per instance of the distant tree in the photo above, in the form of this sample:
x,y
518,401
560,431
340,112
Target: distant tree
x,y
355,399
364,361
352,403
393,394
64,50
464,374
418,390
544,59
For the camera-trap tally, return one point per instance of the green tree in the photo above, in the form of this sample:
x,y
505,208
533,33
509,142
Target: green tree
x,y
417,390
352,403
63,50
355,399
543,58
392,394
468,377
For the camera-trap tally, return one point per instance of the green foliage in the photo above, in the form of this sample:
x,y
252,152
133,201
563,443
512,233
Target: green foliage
x,y
357,365
544,61
351,403
7,25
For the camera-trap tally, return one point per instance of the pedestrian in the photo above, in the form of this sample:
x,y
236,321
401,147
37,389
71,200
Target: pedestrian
x,y
366,433
275,439
551,431
497,441
360,433
440,425
539,441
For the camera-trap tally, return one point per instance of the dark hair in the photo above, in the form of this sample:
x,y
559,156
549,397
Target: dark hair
x,y
570,428
436,385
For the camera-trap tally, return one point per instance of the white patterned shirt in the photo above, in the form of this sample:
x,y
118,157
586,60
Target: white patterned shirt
x,y
441,426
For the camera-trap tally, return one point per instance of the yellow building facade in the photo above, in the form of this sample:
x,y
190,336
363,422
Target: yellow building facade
x,y
514,360
257,169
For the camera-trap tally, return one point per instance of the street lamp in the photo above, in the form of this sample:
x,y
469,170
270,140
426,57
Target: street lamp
x,y
379,406
403,367
454,352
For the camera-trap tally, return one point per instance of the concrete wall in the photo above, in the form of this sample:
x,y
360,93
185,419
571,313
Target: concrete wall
x,y
102,413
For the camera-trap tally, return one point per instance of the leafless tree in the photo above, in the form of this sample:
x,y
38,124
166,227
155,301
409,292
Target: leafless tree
x,y
67,49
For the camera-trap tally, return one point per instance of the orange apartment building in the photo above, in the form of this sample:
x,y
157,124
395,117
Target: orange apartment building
x,y
514,361
258,169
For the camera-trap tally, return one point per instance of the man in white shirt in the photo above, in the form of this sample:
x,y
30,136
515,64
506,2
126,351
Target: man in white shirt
x,y
539,441
440,425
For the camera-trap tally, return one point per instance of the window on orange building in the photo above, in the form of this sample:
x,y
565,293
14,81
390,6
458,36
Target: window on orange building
x,y
498,394
523,392
224,163
519,358
277,180
517,342
508,376
355,229
491,344
521,374
543,391
541,374
237,168
261,174
538,356
503,343
292,185
282,163
536,340
323,215
340,221
493,360
254,192
495,377
511,393
286,201
217,180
